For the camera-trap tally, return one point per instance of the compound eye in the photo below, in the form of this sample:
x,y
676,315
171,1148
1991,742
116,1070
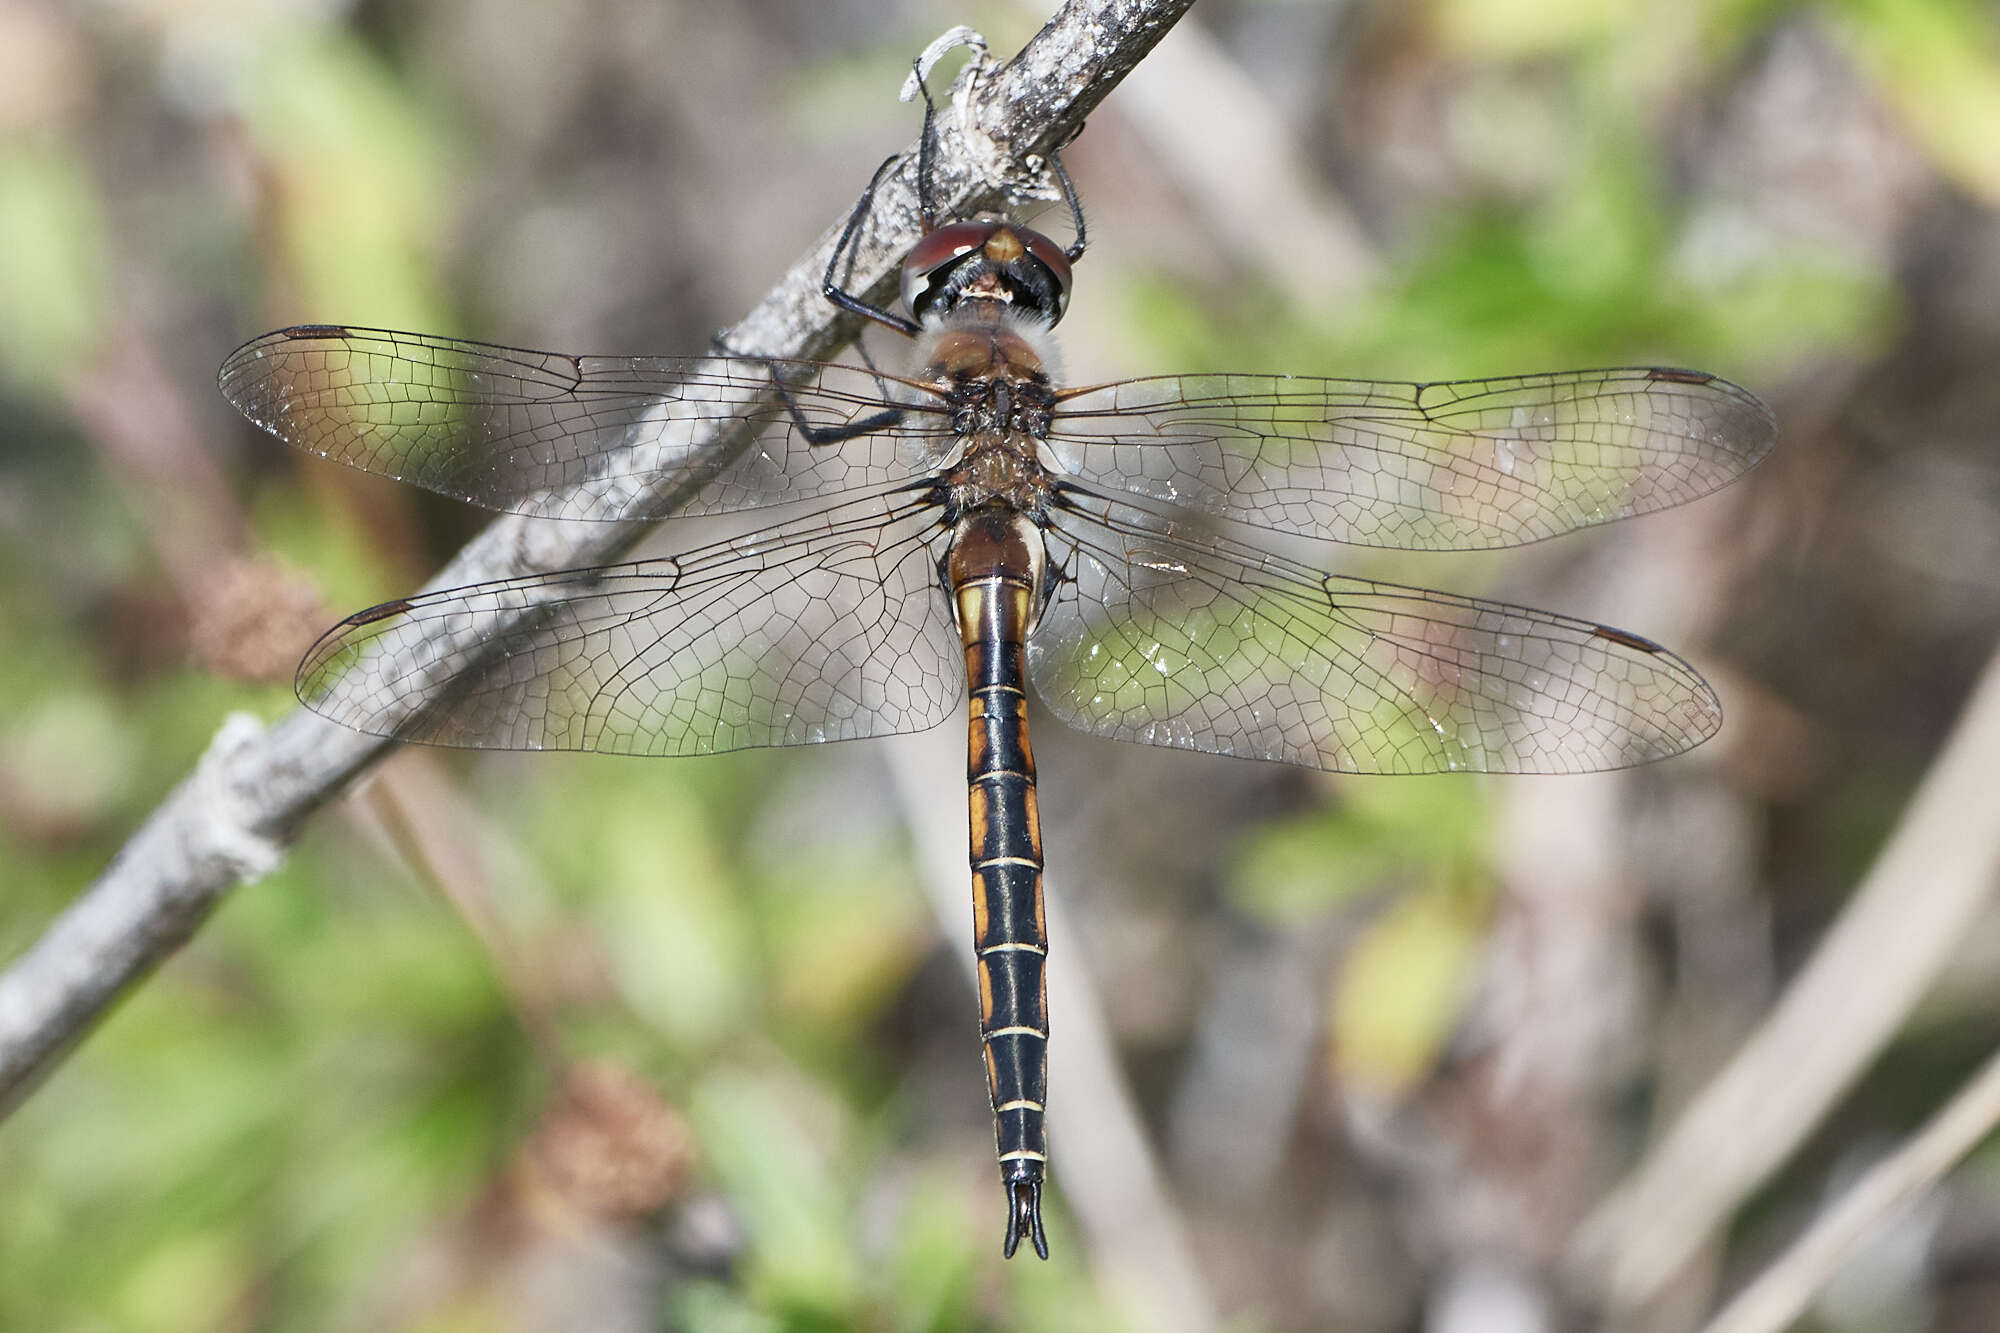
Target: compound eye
x,y
938,251
1051,257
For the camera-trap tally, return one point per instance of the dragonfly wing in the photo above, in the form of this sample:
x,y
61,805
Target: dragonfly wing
x,y
1204,643
1452,466
827,628
558,436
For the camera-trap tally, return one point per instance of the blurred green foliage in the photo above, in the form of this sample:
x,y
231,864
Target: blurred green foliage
x,y
1939,64
358,156
52,274
1595,271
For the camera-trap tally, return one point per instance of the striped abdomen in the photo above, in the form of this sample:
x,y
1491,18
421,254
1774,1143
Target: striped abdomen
x,y
995,569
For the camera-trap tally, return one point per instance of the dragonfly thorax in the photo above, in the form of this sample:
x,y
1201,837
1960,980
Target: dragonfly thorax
x,y
992,366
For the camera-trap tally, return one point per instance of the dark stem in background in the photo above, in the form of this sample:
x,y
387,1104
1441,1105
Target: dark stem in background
x,y
253,791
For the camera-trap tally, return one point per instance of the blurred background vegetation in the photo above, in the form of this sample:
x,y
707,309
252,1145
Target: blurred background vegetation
x,y
550,1042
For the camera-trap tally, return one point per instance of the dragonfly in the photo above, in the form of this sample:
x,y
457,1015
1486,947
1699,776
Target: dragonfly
x,y
970,528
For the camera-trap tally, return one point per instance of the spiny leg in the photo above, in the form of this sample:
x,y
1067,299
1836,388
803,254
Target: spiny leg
x,y
1074,204
832,285
849,243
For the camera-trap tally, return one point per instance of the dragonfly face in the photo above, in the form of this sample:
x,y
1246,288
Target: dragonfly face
x,y
990,259
986,530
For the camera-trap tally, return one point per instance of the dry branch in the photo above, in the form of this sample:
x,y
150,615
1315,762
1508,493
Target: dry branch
x,y
1783,1291
1937,873
253,791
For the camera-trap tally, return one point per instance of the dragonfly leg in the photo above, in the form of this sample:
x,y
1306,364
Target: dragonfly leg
x,y
823,435
926,151
831,284
1075,205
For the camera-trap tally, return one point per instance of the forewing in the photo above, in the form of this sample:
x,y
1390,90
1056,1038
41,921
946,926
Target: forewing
x,y
827,628
1202,643
1468,465
559,436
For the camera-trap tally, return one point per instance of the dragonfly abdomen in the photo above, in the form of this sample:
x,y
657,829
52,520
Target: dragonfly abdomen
x,y
995,568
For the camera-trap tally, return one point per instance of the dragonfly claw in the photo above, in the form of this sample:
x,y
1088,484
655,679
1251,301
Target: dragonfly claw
x,y
1024,1218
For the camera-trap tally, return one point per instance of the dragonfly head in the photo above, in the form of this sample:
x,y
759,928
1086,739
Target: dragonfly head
x,y
990,259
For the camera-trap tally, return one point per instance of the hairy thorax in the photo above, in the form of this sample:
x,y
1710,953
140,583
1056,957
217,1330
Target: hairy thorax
x,y
994,367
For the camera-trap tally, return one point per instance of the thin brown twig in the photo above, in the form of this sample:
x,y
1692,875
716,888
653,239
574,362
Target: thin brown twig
x,y
1219,137
255,788
1782,1292
1937,872
413,805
